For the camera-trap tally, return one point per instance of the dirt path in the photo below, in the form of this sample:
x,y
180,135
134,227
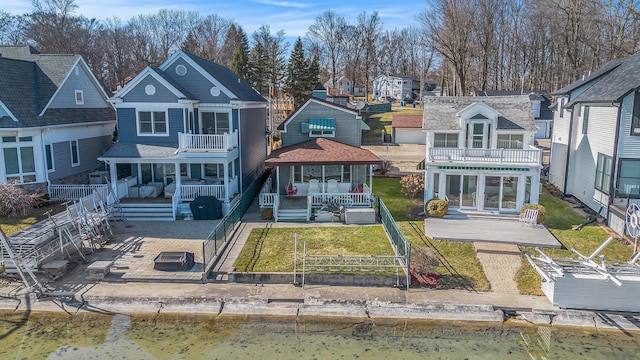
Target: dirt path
x,y
500,263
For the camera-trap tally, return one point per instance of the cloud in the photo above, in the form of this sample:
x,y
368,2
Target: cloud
x,y
282,3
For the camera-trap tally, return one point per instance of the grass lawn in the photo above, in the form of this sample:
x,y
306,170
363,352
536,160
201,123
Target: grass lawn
x,y
460,255
382,121
561,220
11,225
271,250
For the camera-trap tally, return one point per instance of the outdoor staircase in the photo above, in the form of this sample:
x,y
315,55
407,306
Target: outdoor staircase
x,y
147,212
480,215
292,215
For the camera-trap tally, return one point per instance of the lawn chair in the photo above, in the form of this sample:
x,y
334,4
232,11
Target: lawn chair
x,y
314,186
290,189
529,217
332,186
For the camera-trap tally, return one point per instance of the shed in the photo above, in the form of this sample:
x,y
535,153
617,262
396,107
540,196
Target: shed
x,y
407,129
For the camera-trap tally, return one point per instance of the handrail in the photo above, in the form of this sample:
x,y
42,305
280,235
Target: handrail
x,y
208,142
532,155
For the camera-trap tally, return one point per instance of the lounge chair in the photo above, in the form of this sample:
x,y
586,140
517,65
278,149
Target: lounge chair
x,y
314,186
332,186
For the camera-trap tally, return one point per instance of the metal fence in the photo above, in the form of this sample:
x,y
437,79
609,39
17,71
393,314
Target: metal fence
x,y
222,232
401,246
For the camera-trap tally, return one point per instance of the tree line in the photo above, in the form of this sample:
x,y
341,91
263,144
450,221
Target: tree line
x,y
465,45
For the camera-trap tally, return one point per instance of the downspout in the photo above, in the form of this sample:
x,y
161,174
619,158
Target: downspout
x,y
569,141
614,161
44,153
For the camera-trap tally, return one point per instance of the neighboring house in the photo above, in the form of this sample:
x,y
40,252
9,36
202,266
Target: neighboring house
x,y
343,85
338,97
188,128
320,162
407,129
595,153
540,105
55,119
480,154
395,86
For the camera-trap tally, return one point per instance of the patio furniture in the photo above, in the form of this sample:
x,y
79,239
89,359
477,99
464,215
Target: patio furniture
x,y
151,190
314,186
332,186
529,217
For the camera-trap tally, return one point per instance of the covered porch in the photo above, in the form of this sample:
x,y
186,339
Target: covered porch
x,y
318,176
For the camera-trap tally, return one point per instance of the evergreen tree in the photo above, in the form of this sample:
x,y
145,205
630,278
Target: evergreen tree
x,y
240,62
257,71
296,84
190,44
234,37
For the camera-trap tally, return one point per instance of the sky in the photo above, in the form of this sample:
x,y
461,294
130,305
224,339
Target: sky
x,y
292,16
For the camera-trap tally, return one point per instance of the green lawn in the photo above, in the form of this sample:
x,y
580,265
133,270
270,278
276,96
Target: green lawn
x,y
11,225
460,255
271,250
561,220
382,121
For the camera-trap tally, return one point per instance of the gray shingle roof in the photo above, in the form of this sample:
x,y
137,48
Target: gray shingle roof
x,y
173,83
228,79
142,151
539,95
610,83
439,113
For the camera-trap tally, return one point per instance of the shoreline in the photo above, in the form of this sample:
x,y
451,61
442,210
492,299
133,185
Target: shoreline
x,y
317,301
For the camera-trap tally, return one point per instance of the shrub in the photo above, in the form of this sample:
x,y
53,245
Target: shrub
x,y
412,185
436,208
385,167
542,212
14,200
424,260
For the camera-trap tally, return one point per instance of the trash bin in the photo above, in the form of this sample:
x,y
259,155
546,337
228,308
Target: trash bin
x,y
401,103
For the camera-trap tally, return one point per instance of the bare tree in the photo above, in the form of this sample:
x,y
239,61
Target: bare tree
x,y
327,33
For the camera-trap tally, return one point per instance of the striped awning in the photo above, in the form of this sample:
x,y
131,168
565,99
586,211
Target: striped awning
x,y
322,124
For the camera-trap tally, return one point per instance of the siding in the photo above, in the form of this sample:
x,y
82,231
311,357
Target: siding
x,y
127,131
196,83
66,97
599,139
629,146
253,143
348,128
90,149
409,136
162,95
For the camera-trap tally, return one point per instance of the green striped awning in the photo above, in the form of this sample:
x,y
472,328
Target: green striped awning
x,y
322,124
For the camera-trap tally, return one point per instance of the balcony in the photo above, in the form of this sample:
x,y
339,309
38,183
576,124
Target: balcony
x,y
207,143
189,192
532,155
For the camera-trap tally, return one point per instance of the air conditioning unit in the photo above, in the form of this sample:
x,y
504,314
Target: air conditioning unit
x,y
99,177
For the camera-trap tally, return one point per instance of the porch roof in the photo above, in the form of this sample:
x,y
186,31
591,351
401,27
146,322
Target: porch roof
x,y
321,151
141,151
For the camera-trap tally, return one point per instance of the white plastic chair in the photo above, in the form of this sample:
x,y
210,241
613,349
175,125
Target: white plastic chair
x,y
314,186
332,186
529,217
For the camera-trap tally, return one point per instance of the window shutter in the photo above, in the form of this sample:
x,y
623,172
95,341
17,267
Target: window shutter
x,y
304,127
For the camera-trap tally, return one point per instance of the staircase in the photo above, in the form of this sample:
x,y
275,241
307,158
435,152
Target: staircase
x,y
292,215
147,212
479,215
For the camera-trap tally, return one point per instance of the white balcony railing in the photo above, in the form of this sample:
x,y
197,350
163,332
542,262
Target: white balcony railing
x,y
221,192
74,192
205,142
532,155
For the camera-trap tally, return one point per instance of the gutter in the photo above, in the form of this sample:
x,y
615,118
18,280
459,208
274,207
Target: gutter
x,y
614,160
566,165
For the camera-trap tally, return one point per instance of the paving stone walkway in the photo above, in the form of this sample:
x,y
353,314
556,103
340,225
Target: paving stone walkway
x,y
500,263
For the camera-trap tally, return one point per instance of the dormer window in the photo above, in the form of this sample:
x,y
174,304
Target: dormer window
x,y
79,97
478,134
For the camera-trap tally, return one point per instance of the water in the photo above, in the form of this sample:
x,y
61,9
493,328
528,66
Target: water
x,y
98,336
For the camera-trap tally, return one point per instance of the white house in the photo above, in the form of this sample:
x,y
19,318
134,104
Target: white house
x,y
595,152
480,154
395,86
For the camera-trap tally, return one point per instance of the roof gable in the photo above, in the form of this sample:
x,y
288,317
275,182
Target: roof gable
x,y
321,151
157,75
337,107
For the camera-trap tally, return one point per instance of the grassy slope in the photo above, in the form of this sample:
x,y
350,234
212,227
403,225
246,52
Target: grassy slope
x,y
11,225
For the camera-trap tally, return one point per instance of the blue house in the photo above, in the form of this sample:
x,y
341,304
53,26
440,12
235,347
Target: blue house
x,y
188,128
55,118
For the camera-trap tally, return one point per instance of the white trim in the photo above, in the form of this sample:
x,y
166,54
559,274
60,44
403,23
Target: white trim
x,y
148,71
153,130
53,161
336,107
47,127
198,68
77,150
6,109
81,100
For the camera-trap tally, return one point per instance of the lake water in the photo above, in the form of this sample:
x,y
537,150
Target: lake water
x,y
98,336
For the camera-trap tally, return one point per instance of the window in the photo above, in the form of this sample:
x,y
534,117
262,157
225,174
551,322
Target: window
x,y
445,140
629,177
635,120
603,173
215,123
510,141
48,153
213,170
75,153
322,127
19,164
152,123
79,97
585,120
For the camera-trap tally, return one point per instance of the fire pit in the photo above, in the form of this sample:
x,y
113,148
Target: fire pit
x,y
174,261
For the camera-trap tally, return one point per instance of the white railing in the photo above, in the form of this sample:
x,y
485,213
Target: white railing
x,y
276,205
266,197
190,192
175,201
531,155
73,192
347,199
206,142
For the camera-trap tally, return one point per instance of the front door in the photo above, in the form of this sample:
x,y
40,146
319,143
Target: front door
x,y
468,196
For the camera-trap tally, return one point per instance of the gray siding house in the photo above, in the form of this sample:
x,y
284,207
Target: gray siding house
x,y
55,119
188,128
595,152
320,162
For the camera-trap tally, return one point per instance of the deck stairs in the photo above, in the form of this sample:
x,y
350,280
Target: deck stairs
x,y
479,215
147,211
292,215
